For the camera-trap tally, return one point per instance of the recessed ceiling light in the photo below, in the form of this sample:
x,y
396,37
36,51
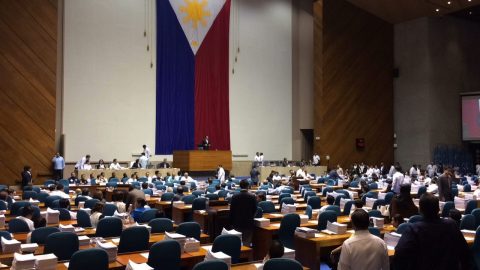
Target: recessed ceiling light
x,y
437,10
470,13
449,2
469,0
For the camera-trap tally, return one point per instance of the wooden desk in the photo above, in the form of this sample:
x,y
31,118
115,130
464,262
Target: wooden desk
x,y
202,160
266,170
129,172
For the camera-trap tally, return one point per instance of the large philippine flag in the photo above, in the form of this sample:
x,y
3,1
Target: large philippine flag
x,y
192,74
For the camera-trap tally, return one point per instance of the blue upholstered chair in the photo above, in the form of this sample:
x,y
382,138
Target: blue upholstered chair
x,y
228,244
282,264
325,216
189,229
109,227
62,244
40,235
287,229
92,258
165,255
134,239
161,225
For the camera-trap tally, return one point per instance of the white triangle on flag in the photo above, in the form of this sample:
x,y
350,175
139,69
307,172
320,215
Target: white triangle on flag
x,y
196,17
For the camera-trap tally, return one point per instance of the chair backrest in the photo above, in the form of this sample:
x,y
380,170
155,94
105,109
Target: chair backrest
x,y
223,193
112,184
309,211
17,225
228,244
325,216
476,214
334,208
92,258
91,203
197,193
267,207
29,194
64,214
161,225
375,213
421,190
471,205
188,199
109,209
287,229
284,195
3,205
167,196
467,188
109,227
309,194
259,212
338,198
165,255
388,197
212,196
62,244
476,249
161,187
402,227
326,190
83,219
148,215
377,203
42,196
64,182
454,192
142,179
282,264
5,235
40,235
347,208
446,208
49,182
148,191
344,192
286,200
211,265
468,222
113,180
199,204
374,231
80,199
354,184
189,229
315,202
415,218
373,186
134,239
15,207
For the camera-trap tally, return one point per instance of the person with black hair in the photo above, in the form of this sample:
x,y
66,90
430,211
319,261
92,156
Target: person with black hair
x,y
276,251
363,250
403,203
59,191
140,207
27,215
243,207
26,176
117,199
132,196
397,219
414,249
330,201
97,214
455,215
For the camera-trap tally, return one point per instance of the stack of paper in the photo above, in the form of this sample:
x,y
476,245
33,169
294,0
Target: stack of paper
x,y
369,202
110,248
53,216
2,221
353,194
305,232
381,195
262,222
149,228
83,240
20,261
66,228
10,246
232,232
81,204
469,233
288,253
178,203
28,248
460,203
288,208
303,219
336,227
391,239
293,196
137,266
378,222
414,189
333,194
120,215
469,196
218,256
33,202
343,202
191,245
46,262
87,210
180,238
315,213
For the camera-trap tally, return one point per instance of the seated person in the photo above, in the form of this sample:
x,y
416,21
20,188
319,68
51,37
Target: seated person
x,y
139,209
164,164
87,165
73,179
157,176
114,175
455,215
179,195
101,164
91,178
136,164
184,186
397,220
65,203
330,201
115,165
276,251
59,191
97,214
187,178
117,198
98,195
27,215
83,179
86,193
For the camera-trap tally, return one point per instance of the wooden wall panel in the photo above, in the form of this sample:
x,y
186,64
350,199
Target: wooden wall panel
x,y
353,84
28,64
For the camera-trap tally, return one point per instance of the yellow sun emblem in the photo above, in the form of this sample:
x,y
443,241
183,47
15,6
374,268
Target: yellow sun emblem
x,y
195,12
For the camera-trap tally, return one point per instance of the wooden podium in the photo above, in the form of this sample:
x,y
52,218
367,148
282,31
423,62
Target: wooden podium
x,y
202,160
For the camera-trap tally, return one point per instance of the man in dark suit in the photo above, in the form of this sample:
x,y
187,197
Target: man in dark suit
x,y
445,186
433,243
26,176
243,207
163,165
132,196
206,143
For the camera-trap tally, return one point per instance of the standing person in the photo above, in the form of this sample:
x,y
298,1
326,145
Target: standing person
x,y
363,250
397,179
132,196
26,176
143,161
445,186
433,243
82,161
243,207
221,174
316,160
58,166
402,203
257,157
254,173
205,143
147,152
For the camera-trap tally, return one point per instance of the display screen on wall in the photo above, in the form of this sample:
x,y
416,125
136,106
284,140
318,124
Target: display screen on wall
x,y
471,118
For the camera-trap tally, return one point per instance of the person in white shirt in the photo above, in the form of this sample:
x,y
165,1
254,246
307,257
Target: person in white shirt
x,y
413,172
97,211
397,180
147,152
87,165
339,170
79,165
187,178
363,250
149,178
316,160
261,157
257,157
221,174
143,161
115,165
330,201
26,215
59,192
